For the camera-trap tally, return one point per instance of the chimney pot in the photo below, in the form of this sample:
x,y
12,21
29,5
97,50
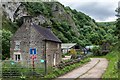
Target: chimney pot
x,y
27,19
49,27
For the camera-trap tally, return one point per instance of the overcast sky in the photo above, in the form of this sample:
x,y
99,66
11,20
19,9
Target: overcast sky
x,y
100,10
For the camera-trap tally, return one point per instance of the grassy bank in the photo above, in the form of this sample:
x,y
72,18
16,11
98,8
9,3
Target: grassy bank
x,y
112,71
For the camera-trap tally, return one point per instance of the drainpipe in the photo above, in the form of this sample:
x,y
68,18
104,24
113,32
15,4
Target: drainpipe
x,y
45,59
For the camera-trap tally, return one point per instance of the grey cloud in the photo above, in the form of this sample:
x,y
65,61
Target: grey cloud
x,y
98,11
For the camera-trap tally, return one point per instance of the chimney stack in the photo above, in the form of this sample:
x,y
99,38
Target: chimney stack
x,y
27,19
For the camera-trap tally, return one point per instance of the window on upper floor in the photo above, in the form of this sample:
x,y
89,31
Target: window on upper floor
x,y
17,45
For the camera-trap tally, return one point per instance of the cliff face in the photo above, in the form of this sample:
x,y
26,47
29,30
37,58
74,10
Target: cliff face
x,y
66,23
9,8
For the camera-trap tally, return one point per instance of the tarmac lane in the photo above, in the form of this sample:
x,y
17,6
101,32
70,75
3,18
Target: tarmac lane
x,y
93,69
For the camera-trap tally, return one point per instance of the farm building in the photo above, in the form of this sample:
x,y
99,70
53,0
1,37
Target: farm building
x,y
31,39
67,46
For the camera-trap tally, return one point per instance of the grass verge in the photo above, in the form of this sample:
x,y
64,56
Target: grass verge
x,y
112,70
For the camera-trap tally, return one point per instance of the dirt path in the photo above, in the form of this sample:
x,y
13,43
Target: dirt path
x,y
94,69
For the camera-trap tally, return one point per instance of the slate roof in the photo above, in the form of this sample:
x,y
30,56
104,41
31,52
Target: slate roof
x,y
46,33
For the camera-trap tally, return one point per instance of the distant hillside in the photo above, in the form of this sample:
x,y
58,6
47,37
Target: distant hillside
x,y
69,25
105,24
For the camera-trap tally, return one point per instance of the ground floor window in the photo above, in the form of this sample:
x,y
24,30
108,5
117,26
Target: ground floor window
x,y
17,56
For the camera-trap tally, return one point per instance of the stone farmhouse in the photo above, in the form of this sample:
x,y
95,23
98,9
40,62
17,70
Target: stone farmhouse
x,y
31,40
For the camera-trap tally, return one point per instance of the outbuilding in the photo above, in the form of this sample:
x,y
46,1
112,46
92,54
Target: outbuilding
x,y
67,46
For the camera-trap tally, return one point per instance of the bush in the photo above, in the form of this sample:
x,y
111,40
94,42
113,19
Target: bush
x,y
63,56
73,53
96,51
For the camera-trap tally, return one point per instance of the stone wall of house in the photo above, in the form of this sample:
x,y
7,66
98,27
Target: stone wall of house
x,y
22,35
53,50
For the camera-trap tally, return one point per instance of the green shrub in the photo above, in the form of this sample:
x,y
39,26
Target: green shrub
x,y
96,51
63,56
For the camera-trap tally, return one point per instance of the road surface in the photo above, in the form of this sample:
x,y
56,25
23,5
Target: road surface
x,y
93,69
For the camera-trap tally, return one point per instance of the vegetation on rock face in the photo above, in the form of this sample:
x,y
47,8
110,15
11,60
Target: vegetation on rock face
x,y
38,8
67,24
8,25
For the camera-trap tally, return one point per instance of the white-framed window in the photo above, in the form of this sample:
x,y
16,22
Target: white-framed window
x,y
17,45
17,56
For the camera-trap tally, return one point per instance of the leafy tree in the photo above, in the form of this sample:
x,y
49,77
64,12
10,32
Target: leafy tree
x,y
65,26
110,31
109,37
6,35
68,35
118,28
96,51
94,38
62,37
82,43
102,31
117,32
